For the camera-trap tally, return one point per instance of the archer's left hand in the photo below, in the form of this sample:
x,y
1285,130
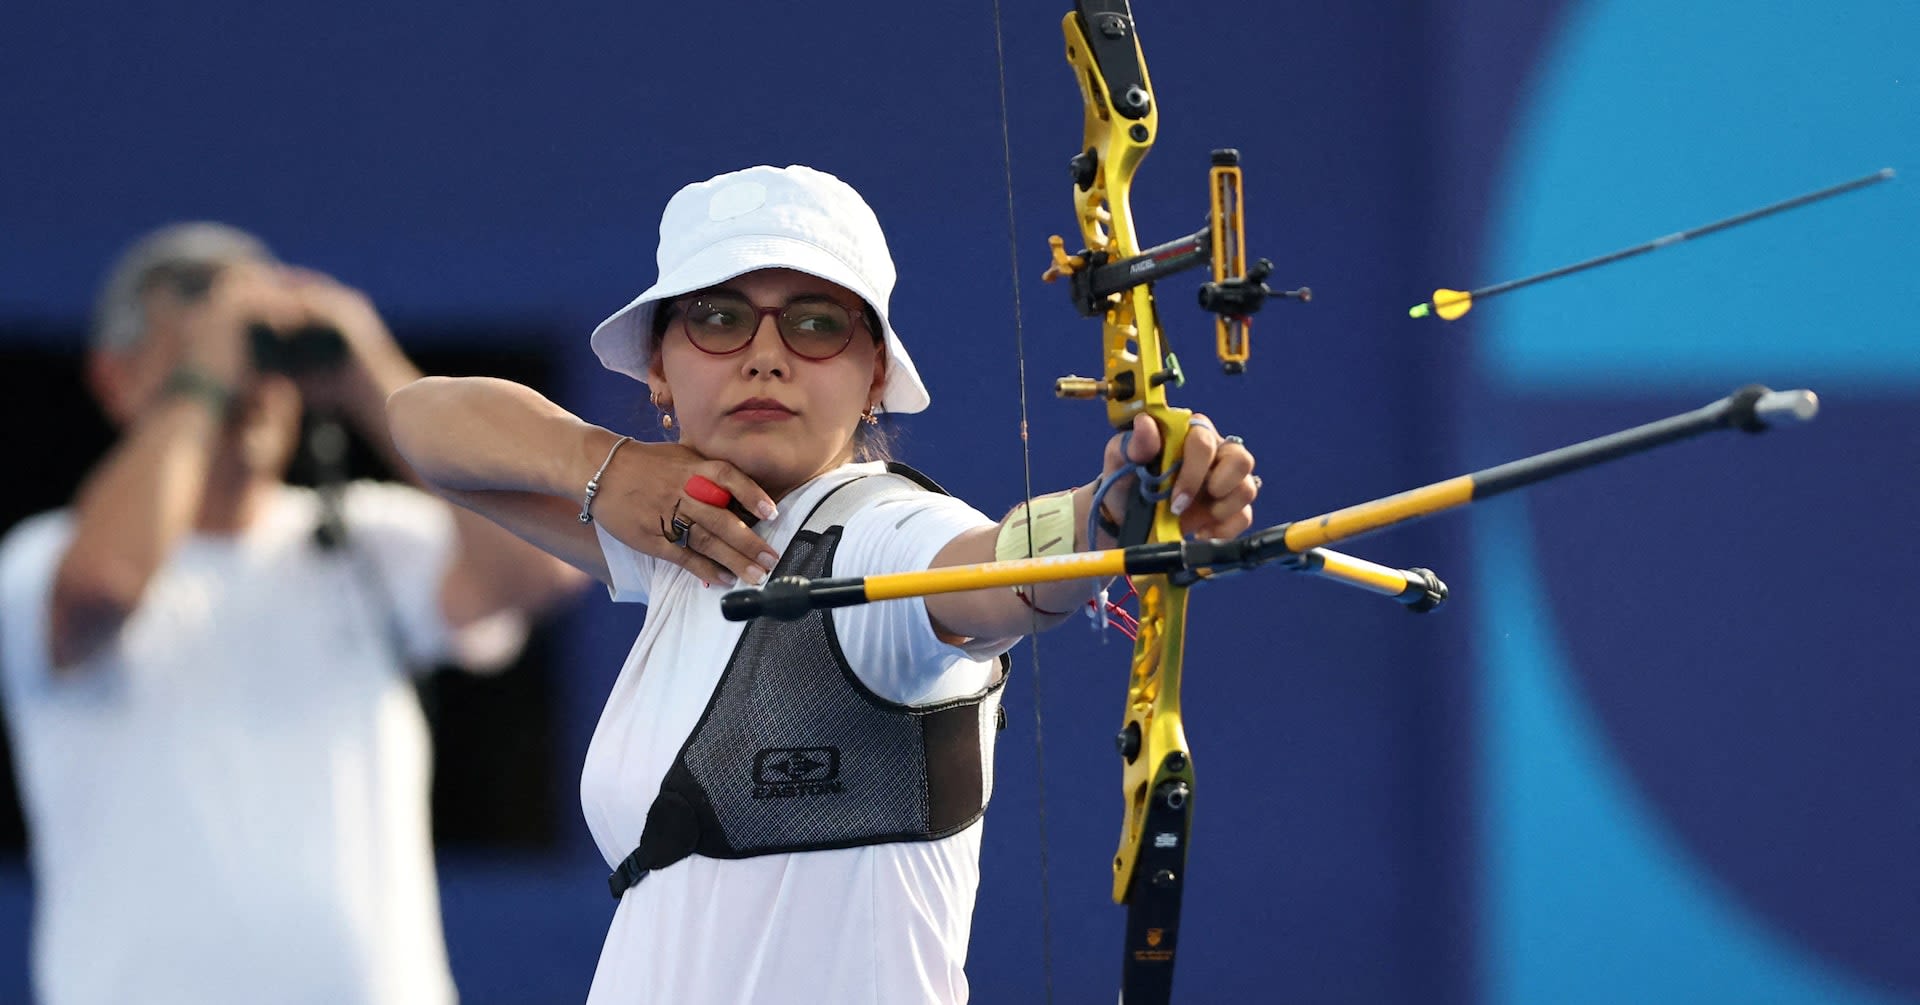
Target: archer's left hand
x,y
1214,491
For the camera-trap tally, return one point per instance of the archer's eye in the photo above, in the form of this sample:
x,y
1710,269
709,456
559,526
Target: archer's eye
x,y
717,314
817,317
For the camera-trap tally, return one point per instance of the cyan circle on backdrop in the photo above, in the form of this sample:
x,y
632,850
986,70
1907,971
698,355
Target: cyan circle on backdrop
x,y
1648,118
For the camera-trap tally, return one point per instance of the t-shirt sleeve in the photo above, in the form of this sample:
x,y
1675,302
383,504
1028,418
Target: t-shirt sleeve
x,y
891,644
631,571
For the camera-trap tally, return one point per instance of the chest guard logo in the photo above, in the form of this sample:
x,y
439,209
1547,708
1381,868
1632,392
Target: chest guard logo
x,y
784,772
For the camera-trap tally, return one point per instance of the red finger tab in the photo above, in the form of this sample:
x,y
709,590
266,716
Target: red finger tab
x,y
702,489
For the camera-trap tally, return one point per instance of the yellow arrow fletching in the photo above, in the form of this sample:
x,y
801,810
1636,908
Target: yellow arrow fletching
x,y
1452,304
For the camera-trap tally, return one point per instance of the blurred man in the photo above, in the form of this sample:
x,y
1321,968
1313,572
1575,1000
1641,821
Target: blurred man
x,y
222,760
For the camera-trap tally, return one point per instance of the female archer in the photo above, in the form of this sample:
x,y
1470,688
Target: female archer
x,y
792,808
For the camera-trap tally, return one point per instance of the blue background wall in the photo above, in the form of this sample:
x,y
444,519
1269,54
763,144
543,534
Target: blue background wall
x,y
1661,744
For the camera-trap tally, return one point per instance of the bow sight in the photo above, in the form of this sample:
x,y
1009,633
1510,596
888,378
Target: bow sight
x,y
1234,294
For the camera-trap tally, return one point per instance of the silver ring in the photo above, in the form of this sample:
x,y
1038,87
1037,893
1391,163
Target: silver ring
x,y
1234,439
682,531
1256,481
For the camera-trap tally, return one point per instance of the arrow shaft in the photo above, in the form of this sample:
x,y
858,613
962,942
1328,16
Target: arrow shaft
x,y
1660,242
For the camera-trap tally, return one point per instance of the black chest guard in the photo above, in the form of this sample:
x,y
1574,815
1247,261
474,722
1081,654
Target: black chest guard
x,y
794,753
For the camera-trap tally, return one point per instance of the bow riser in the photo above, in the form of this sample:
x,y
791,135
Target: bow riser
x,y
1157,781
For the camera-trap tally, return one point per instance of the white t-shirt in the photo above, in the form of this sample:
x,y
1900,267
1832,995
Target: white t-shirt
x,y
229,803
883,924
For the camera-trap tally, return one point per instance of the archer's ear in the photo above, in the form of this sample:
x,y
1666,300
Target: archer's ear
x,y
657,376
877,389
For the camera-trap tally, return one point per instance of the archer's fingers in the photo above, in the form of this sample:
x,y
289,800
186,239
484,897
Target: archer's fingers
x,y
1144,447
1208,522
724,533
719,535
747,493
1198,458
1227,509
1230,478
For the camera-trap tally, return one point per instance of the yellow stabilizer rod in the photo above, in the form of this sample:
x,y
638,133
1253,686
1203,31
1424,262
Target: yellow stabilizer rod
x,y
1453,304
1419,589
790,597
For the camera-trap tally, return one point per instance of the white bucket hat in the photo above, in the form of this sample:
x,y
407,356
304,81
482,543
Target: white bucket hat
x,y
765,218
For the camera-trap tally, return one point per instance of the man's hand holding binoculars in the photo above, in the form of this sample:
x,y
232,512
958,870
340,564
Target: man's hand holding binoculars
x,y
258,319
338,350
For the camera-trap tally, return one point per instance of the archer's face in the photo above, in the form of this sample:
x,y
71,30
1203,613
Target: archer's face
x,y
767,407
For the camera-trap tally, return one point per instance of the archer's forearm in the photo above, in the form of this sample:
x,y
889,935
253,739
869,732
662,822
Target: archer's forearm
x,y
1001,612
515,464
480,434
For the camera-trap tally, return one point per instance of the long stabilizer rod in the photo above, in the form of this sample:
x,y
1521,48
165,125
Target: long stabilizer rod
x,y
1751,409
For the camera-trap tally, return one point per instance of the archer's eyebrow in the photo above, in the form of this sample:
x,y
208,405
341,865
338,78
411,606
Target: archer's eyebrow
x,y
796,298
697,294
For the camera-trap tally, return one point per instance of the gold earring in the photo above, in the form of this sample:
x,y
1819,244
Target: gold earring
x,y
869,417
666,411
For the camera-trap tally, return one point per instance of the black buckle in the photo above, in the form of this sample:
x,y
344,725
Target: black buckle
x,y
627,875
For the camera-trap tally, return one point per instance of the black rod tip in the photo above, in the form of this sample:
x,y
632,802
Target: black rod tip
x,y
1756,407
740,605
1740,408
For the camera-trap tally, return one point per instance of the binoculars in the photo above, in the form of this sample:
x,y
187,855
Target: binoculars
x,y
311,348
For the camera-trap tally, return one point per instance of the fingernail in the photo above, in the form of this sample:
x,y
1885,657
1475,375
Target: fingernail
x,y
1181,502
767,511
728,578
757,575
768,559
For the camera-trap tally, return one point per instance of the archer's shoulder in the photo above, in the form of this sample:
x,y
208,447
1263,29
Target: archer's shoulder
x,y
907,505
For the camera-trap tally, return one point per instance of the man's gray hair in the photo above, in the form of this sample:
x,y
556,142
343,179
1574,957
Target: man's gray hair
x,y
185,256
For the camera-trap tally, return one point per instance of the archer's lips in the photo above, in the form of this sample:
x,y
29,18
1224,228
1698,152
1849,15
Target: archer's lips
x,y
760,410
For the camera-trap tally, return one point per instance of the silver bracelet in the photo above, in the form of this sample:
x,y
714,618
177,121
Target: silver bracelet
x,y
593,484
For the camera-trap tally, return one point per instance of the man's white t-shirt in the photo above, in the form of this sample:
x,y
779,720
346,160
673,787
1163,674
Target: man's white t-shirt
x,y
230,802
883,924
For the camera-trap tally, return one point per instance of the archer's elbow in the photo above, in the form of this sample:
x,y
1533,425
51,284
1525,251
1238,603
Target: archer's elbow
x,y
414,412
551,584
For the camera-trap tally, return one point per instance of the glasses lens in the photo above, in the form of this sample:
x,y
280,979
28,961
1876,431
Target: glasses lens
x,y
720,322
724,323
816,327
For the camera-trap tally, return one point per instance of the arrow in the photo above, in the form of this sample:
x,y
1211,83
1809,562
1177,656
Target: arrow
x,y
1453,304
